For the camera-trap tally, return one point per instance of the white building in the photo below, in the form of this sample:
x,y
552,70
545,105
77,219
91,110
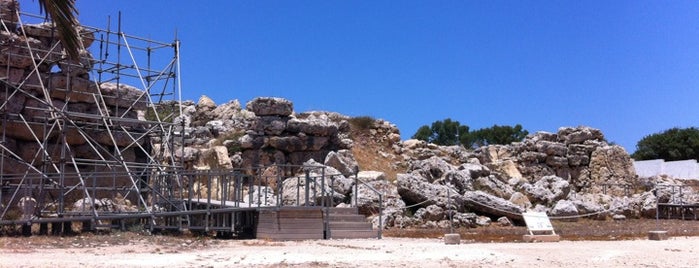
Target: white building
x,y
684,169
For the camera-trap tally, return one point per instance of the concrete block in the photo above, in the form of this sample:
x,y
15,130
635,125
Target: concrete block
x,y
452,239
541,238
657,235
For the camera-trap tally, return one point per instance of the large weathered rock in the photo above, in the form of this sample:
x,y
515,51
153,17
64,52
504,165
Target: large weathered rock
x,y
117,204
506,167
611,167
492,185
266,106
565,209
414,189
343,161
548,190
302,191
570,135
8,13
261,196
432,168
215,157
123,96
367,197
203,111
316,126
430,213
481,202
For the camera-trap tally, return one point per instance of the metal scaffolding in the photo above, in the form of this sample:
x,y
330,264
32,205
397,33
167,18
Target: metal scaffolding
x,y
76,136
100,141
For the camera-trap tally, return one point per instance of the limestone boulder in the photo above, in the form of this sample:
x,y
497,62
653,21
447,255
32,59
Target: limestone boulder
x,y
648,203
414,189
343,161
8,13
314,126
123,95
269,125
551,148
204,111
268,106
494,186
15,49
483,221
302,191
461,180
610,167
366,197
548,190
481,202
261,196
369,176
593,204
508,168
566,209
520,200
431,169
578,135
213,158
338,182
432,213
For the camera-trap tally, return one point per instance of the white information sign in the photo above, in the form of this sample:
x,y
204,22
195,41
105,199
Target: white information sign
x,y
537,221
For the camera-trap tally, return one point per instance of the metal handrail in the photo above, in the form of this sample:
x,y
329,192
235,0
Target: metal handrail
x,y
356,198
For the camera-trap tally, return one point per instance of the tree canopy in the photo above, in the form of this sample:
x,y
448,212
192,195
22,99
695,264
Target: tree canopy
x,y
672,144
444,132
498,135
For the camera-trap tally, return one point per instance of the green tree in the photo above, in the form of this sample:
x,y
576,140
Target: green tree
x,y
498,135
423,133
443,133
64,14
672,144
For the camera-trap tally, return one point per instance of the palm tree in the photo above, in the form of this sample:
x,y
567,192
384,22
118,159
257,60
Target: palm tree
x,y
64,14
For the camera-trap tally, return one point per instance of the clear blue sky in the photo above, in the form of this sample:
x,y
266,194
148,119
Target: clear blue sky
x,y
629,68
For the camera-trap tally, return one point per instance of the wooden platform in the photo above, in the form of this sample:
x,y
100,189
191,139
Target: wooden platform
x,y
678,211
290,224
299,223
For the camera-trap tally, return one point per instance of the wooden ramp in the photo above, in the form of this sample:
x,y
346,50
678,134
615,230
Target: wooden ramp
x,y
301,223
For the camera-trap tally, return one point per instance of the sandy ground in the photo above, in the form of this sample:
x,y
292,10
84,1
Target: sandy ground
x,y
387,252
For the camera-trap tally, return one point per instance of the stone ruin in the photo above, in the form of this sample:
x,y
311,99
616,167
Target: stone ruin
x,y
40,85
53,106
267,132
64,125
572,172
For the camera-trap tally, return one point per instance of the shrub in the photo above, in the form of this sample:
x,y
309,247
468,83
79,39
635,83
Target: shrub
x,y
234,145
362,122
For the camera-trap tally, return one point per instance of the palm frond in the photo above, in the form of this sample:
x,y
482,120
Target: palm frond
x,y
64,14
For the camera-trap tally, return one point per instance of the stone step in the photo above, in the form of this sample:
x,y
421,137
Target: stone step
x,y
343,210
353,234
350,226
346,218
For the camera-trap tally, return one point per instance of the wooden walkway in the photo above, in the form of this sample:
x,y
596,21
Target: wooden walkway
x,y
281,223
678,211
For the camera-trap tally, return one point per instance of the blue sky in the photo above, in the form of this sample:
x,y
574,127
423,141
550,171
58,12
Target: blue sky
x,y
629,68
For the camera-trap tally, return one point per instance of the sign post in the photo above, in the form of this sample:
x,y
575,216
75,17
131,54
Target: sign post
x,y
539,227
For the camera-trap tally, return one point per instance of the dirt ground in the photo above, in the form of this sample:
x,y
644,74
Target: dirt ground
x,y
585,244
